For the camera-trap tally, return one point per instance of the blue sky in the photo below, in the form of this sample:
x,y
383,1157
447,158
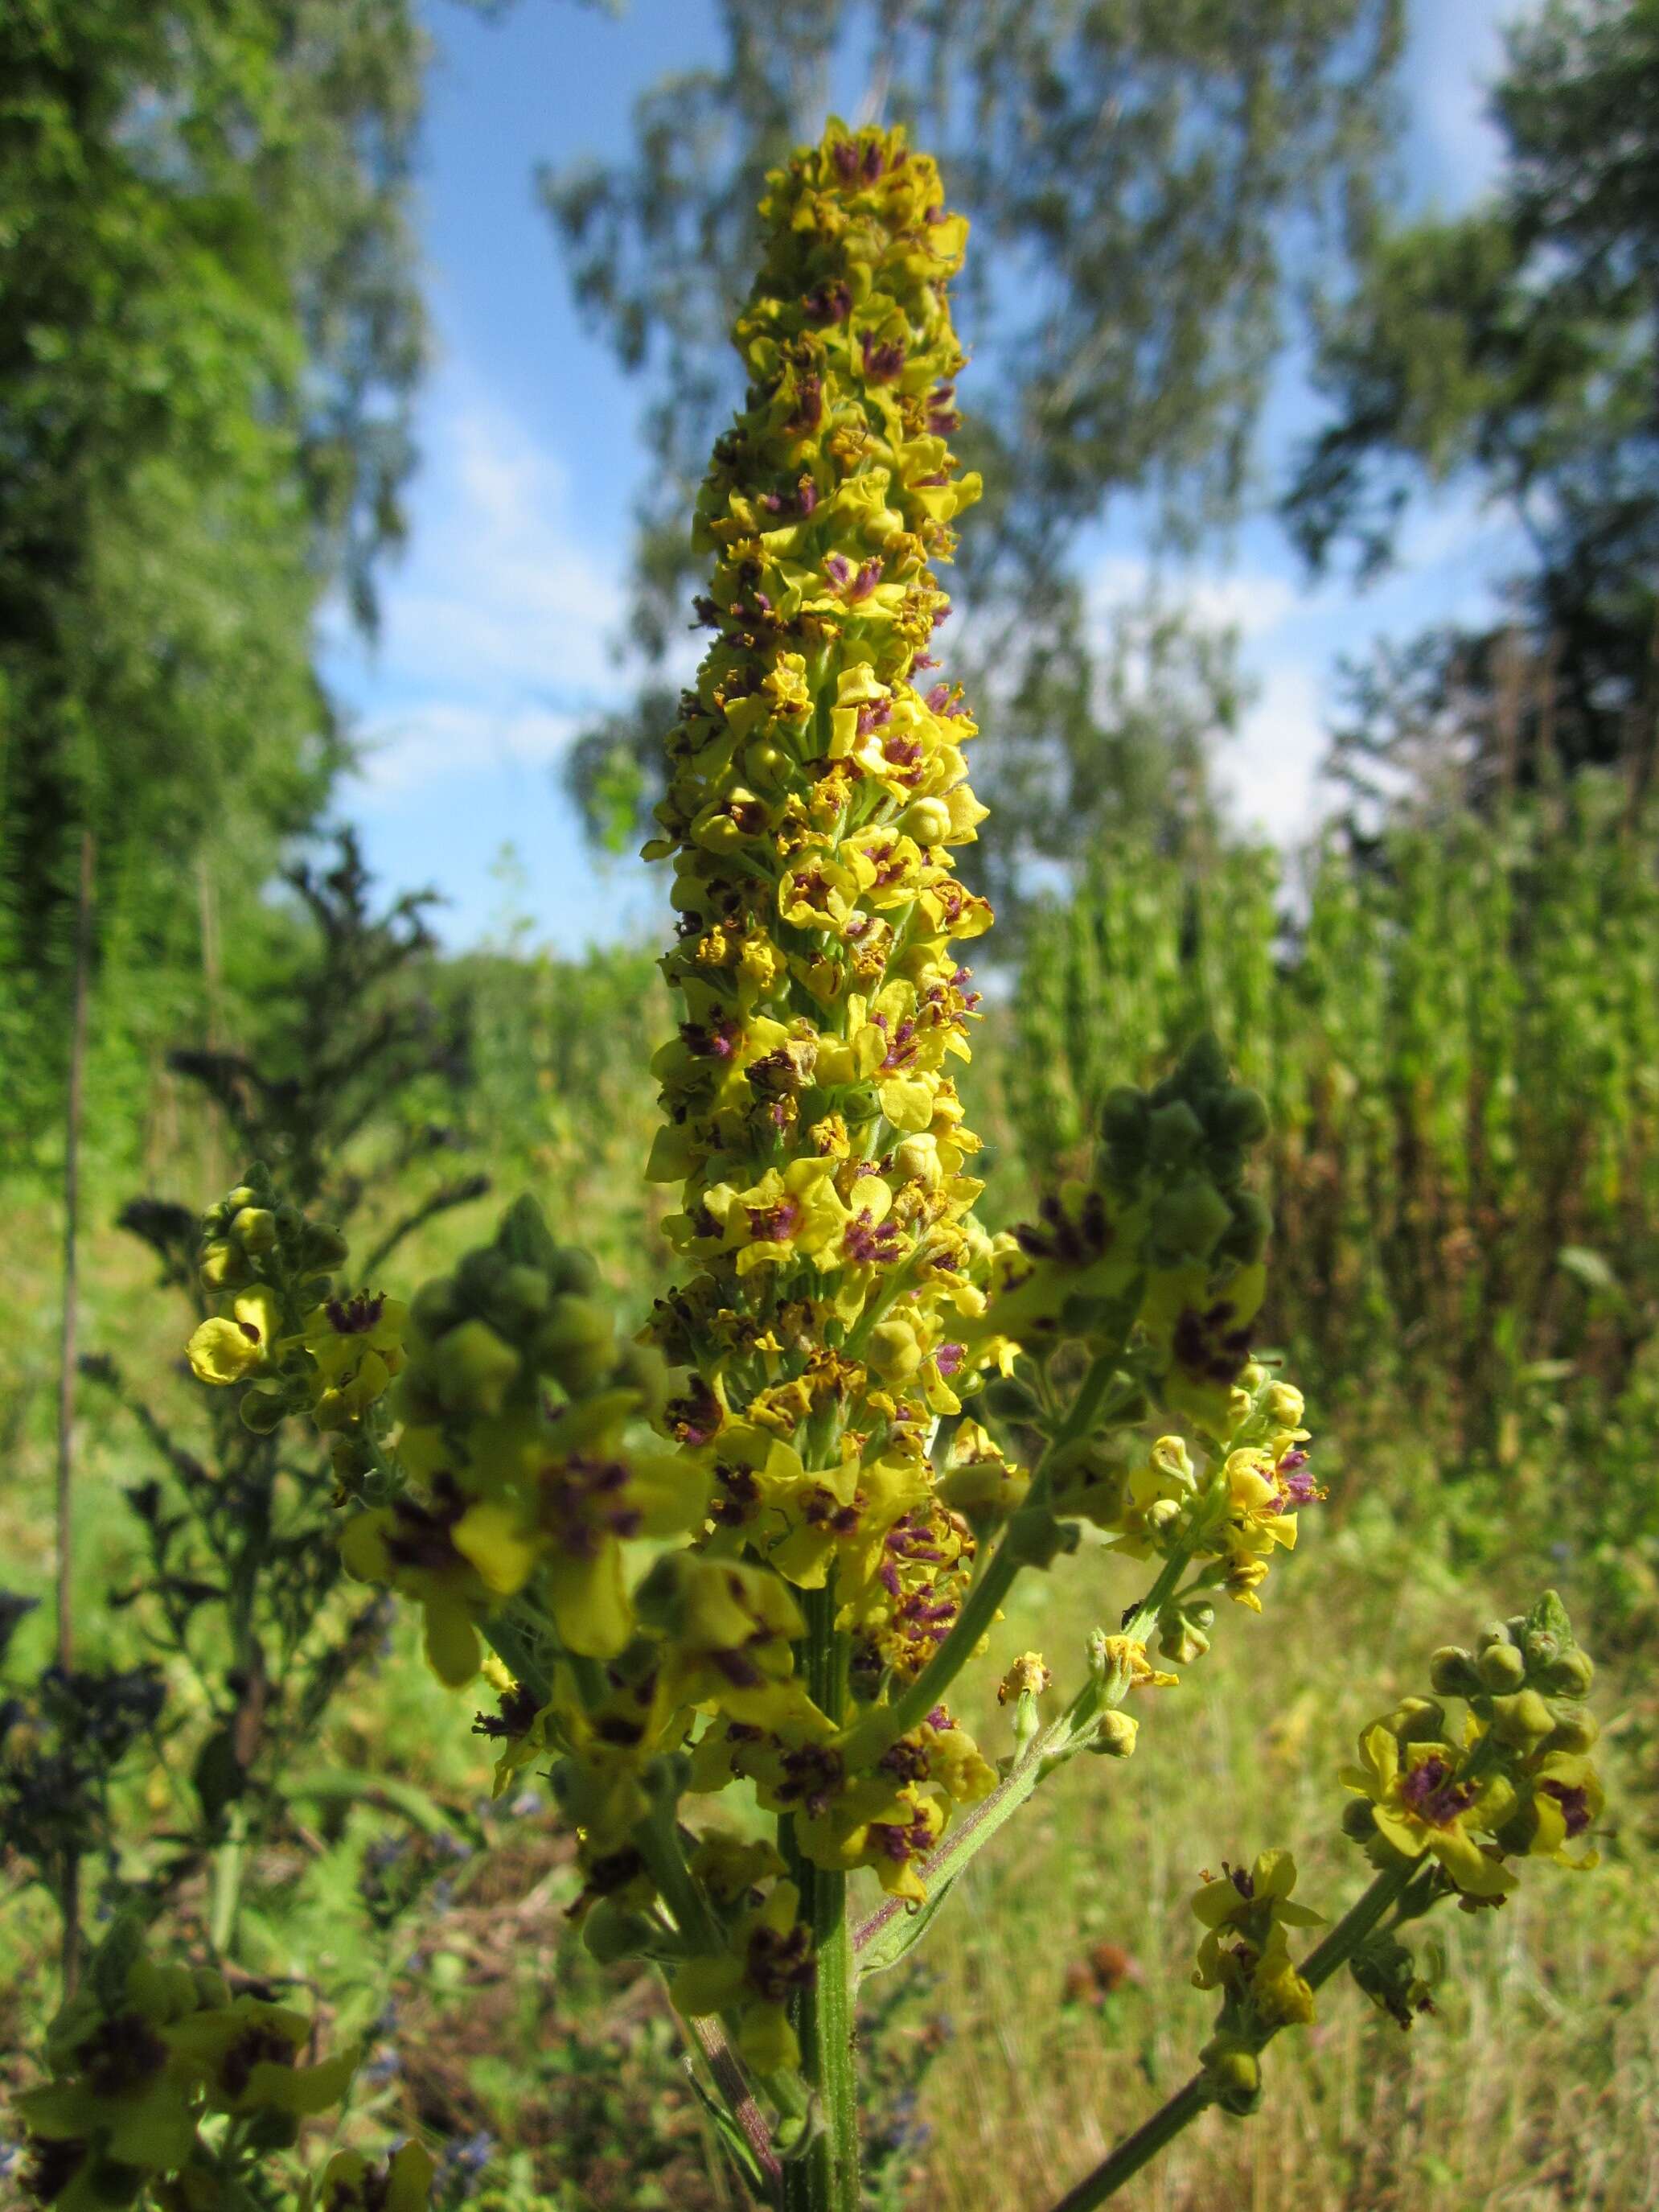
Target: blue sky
x,y
496,640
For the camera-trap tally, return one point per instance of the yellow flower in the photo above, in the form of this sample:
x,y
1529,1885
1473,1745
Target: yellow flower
x,y
357,1344
350,2183
1422,1802
409,1547
244,2056
223,1350
768,1956
1245,1949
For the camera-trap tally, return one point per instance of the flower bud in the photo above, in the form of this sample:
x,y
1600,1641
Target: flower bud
x,y
917,1159
262,1411
474,1369
576,1342
1523,1720
321,1248
1359,1819
928,821
1417,1720
1570,1675
894,1354
1240,1117
1453,1673
1115,1736
521,1295
1575,1729
1188,1220
1027,1678
224,1266
1285,1405
254,1228
1233,2076
435,1307
613,1932
1501,1667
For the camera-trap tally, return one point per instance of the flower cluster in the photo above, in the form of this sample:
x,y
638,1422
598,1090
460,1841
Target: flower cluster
x,y
1227,1513
513,1403
1512,1780
1163,1241
1442,1810
303,1348
817,791
139,2059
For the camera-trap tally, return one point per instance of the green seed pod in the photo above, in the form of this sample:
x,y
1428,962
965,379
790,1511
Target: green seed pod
x,y
1501,1667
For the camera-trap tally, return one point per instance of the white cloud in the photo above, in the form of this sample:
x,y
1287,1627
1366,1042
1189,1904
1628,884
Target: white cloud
x,y
1254,602
443,738
496,630
1268,772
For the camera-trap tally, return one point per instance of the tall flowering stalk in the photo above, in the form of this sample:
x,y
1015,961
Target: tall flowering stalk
x,y
817,791
761,1545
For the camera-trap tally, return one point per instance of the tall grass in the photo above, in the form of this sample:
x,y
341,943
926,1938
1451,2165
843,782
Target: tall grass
x,y
1458,1037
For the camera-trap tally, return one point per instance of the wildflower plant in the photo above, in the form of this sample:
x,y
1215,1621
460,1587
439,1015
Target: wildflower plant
x,y
729,1583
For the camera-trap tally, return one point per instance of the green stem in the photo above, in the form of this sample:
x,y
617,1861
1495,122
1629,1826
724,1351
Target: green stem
x,y
1189,2101
971,1831
984,1601
229,1861
1137,2149
825,2176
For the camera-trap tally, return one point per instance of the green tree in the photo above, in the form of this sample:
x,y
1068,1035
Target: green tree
x,y
209,334
1512,350
1137,171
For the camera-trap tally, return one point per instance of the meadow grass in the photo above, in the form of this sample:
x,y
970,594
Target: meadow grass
x,y
1056,1985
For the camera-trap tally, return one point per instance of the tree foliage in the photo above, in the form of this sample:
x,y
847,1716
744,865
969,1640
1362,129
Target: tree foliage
x,y
1136,170
1512,350
209,332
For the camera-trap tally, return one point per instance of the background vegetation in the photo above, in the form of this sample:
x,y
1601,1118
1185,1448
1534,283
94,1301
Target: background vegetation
x,y
211,329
